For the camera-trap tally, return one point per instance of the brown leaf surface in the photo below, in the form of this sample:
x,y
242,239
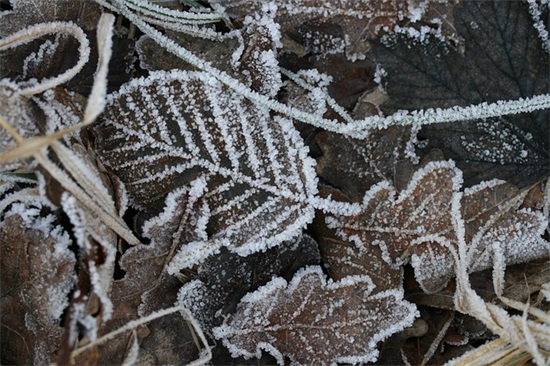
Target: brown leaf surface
x,y
219,287
312,320
37,273
332,26
421,223
145,288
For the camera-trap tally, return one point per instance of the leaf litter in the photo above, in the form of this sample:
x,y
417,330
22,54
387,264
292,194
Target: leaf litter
x,y
206,152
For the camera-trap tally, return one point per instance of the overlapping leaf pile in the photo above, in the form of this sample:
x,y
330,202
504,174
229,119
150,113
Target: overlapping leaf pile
x,y
202,220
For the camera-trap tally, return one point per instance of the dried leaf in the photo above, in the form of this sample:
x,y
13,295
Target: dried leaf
x,y
343,258
146,287
219,287
248,54
384,155
247,169
29,12
18,111
54,54
37,274
419,224
333,26
312,320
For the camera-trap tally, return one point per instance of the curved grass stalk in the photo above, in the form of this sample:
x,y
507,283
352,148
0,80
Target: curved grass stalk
x,y
36,31
495,353
357,128
515,332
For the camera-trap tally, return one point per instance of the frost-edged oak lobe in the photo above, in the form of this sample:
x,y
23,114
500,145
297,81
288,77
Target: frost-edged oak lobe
x,y
248,171
420,224
313,320
218,287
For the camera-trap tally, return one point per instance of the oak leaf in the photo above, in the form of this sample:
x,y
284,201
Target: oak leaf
x,y
218,288
419,224
312,320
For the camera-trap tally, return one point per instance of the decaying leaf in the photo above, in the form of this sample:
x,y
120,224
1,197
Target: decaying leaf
x,y
37,273
312,320
146,288
20,111
245,168
384,155
344,257
419,224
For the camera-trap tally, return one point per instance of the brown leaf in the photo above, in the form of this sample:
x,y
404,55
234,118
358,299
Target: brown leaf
x,y
52,55
147,287
382,156
37,273
421,223
347,257
332,26
312,320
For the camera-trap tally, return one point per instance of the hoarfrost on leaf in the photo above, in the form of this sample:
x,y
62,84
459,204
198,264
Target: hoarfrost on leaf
x,y
172,128
37,274
500,58
420,224
314,320
219,287
333,26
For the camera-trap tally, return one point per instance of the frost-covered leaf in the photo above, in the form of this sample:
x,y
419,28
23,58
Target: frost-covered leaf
x,y
250,172
37,273
501,57
218,51
419,223
312,320
248,54
18,111
219,287
347,257
52,55
28,12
